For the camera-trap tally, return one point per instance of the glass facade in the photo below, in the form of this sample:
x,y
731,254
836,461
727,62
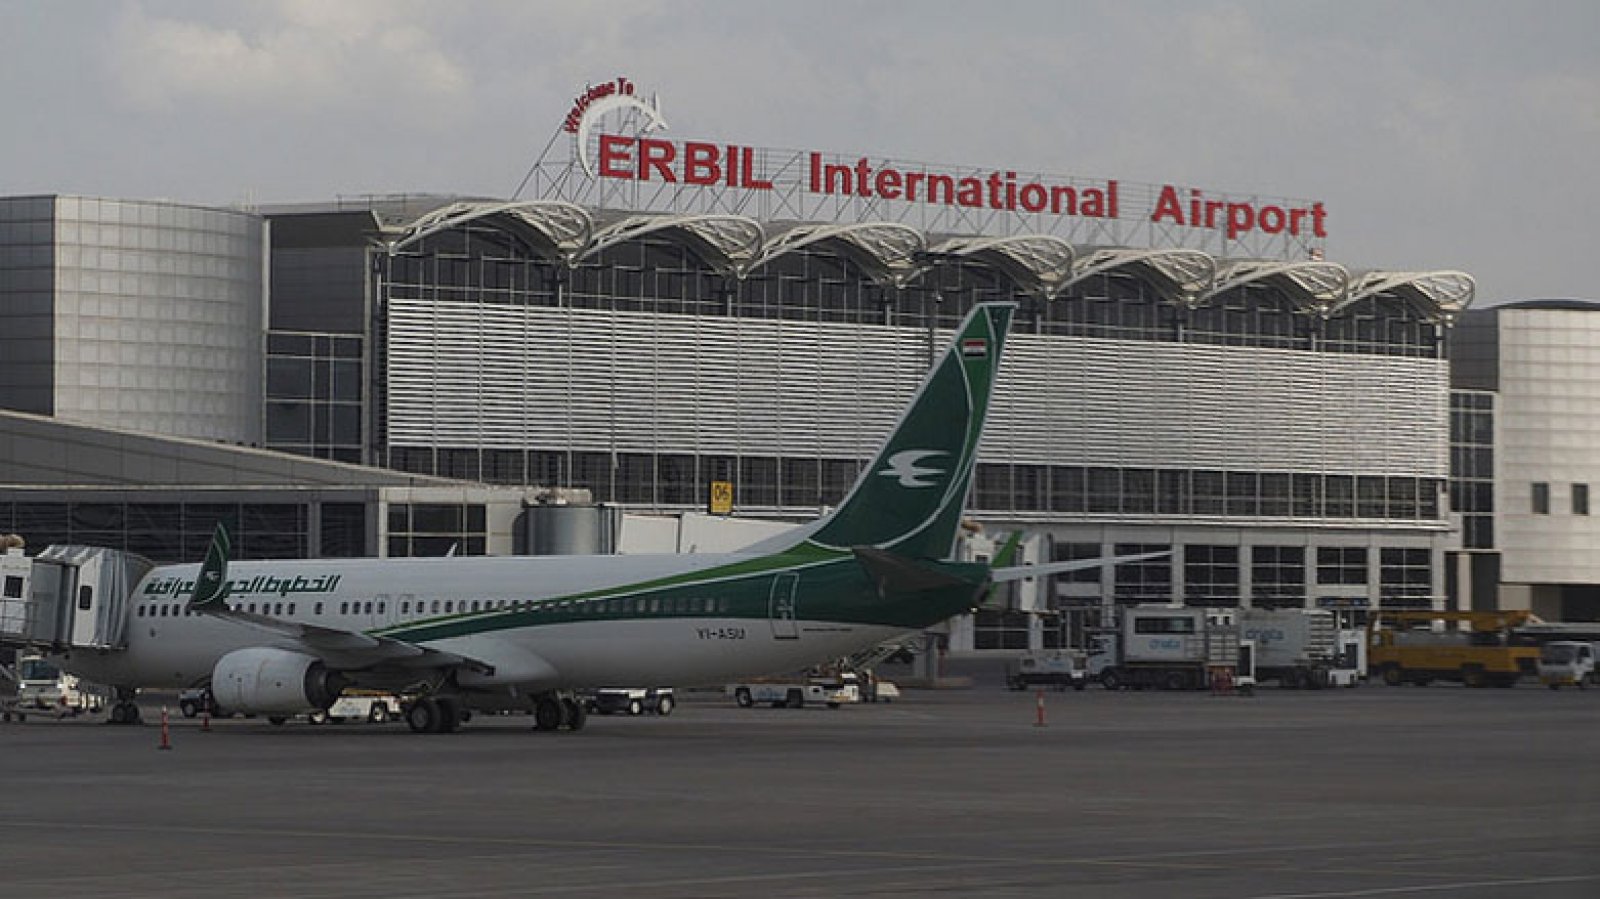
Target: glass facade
x,y
1472,466
175,532
315,390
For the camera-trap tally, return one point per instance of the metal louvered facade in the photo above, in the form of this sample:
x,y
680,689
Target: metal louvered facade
x,y
478,375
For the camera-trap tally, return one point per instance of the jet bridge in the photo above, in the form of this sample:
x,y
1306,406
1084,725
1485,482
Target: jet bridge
x,y
68,597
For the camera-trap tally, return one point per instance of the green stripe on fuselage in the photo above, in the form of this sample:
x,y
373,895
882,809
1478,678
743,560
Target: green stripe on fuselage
x,y
830,587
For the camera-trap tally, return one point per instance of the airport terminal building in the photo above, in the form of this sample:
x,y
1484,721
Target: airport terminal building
x,y
661,316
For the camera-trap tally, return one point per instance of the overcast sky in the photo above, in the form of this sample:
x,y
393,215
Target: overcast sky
x,y
1440,135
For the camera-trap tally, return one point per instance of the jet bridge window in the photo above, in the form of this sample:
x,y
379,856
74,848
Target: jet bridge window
x,y
13,587
85,598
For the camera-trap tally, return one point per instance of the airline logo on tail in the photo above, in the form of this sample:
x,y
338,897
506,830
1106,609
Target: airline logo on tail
x,y
935,444
903,465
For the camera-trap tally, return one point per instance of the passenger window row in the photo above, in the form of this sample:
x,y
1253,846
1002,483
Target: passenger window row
x,y
595,607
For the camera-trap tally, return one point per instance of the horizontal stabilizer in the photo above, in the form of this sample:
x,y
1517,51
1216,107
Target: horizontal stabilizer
x,y
1017,573
898,574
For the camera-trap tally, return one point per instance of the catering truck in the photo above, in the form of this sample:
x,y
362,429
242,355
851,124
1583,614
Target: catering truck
x,y
1170,647
1295,647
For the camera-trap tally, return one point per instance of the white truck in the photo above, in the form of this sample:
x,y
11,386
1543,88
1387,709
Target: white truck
x,y
1295,647
632,700
1058,668
360,705
1169,647
44,689
1565,663
794,694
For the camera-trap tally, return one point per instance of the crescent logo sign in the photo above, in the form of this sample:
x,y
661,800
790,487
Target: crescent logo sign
x,y
602,100
903,465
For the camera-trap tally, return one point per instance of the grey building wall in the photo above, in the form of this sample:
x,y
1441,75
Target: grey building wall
x,y
151,321
1548,451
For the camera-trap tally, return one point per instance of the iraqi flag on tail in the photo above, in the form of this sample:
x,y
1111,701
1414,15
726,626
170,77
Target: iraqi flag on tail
x,y
974,347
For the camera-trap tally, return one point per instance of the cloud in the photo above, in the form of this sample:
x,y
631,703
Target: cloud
x,y
296,56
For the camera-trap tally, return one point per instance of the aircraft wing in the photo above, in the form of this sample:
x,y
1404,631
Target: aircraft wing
x,y
342,648
350,649
1019,572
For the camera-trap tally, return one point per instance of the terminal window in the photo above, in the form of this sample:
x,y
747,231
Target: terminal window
x,y
1580,499
1541,499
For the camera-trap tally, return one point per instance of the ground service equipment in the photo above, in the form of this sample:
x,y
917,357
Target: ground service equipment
x,y
1478,649
1295,647
1058,668
1564,663
1174,648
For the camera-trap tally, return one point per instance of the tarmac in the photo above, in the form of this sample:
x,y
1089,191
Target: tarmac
x,y
1373,791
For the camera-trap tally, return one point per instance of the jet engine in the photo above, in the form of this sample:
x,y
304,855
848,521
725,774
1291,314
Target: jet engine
x,y
269,681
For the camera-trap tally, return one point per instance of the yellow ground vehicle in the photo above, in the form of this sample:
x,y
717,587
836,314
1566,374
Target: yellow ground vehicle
x,y
1476,648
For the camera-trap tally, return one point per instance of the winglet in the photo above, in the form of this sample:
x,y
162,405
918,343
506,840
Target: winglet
x,y
211,586
1002,559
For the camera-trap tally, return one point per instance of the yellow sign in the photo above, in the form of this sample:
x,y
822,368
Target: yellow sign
x,y
721,498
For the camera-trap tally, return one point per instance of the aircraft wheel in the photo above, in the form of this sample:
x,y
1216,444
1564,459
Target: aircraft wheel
x,y
449,720
547,714
423,715
577,716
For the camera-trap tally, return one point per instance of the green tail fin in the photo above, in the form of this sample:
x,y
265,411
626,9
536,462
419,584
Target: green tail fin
x,y
211,586
910,498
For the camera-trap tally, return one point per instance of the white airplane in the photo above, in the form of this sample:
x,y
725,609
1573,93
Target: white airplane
x,y
280,638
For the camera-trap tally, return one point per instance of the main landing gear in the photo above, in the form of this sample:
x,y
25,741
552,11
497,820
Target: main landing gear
x,y
554,711
435,715
125,710
441,713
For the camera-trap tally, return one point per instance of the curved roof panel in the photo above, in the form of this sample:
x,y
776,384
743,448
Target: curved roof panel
x,y
1179,275
888,251
728,242
1037,262
1436,296
1312,286
550,226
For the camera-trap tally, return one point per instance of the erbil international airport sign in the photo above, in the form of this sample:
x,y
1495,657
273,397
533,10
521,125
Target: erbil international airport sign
x,y
621,157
